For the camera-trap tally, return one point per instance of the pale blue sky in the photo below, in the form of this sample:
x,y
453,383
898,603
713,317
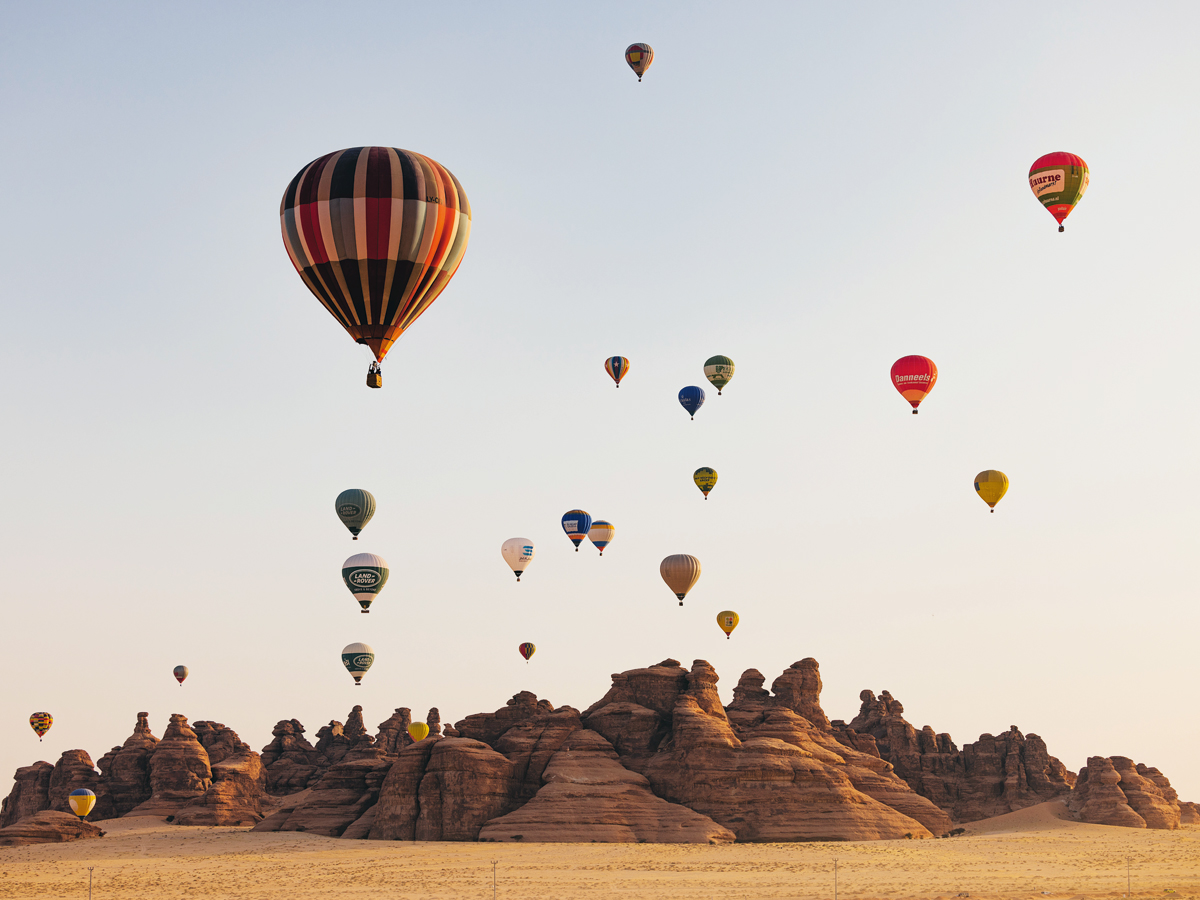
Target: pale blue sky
x,y
812,190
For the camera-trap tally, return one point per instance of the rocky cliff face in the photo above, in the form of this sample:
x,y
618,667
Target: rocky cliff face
x,y
657,758
993,776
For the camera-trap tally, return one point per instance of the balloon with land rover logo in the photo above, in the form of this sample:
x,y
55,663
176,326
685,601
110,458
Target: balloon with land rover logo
x,y
576,522
357,658
1059,181
365,574
914,377
355,508
719,371
518,553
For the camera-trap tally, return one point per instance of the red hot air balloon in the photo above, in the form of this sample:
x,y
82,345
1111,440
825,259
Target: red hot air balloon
x,y
914,377
527,650
1059,181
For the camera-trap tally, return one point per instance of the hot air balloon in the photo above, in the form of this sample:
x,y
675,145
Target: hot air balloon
x,y
680,572
355,508
914,377
728,620
376,234
1059,181
40,722
691,398
706,479
991,486
180,673
639,57
518,553
719,371
365,574
527,650
418,731
82,801
601,534
576,523
357,659
617,368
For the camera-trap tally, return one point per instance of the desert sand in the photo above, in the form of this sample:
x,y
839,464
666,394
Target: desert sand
x,y
1033,853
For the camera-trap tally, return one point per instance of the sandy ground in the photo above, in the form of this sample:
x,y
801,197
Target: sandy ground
x,y
1029,854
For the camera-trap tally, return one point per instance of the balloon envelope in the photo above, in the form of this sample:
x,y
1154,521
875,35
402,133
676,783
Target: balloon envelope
x,y
680,571
518,553
914,377
706,479
691,398
82,801
576,523
1059,181
639,57
355,508
527,650
40,722
616,367
365,575
418,731
376,233
728,620
180,673
991,485
601,534
718,370
357,658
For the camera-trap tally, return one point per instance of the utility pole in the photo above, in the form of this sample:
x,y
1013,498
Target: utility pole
x,y
834,879
1128,877
90,882
493,880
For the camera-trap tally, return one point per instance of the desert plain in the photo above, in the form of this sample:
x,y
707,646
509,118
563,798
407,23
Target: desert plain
x,y
1033,853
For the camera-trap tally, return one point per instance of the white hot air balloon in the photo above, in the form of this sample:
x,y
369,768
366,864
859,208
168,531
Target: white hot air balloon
x,y
518,553
357,658
681,572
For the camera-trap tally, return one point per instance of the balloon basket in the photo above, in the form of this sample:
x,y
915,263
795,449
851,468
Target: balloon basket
x,y
1062,228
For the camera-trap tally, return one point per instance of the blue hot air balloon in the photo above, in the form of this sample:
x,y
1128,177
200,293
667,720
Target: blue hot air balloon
x,y
576,524
691,398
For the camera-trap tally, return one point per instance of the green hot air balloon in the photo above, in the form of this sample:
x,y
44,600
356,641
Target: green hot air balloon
x,y
365,574
355,508
357,658
718,370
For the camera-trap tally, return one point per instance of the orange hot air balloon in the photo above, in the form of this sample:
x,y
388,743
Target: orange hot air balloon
x,y
914,377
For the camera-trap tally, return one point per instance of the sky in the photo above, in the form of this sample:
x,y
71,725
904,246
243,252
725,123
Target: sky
x,y
813,190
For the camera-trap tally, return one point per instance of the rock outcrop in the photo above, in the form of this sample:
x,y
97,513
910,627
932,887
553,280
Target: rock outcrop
x,y
179,770
1189,813
589,796
73,771
1114,790
290,761
29,795
993,776
341,797
125,772
47,827
393,735
238,781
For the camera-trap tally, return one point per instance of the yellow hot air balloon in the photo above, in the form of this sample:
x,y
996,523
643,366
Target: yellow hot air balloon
x,y
991,486
681,572
728,620
706,479
418,731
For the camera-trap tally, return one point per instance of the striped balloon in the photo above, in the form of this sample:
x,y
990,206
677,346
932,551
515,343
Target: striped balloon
x,y
576,522
527,650
719,371
40,722
82,801
376,234
680,571
180,673
601,534
616,367
639,57
355,508
365,575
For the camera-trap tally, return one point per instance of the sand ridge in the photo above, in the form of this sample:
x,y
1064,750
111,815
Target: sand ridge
x,y
1034,853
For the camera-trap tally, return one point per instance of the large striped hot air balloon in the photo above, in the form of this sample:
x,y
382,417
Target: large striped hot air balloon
x,y
376,234
680,571
1059,181
639,57
719,371
40,722
355,507
365,575
617,368
601,534
575,523
914,377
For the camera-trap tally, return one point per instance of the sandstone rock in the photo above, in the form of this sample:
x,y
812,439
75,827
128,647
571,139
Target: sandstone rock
x,y
239,781
179,770
397,810
347,790
1189,813
332,742
30,794
530,745
218,741
589,796
434,721
1149,793
488,727
799,689
466,784
125,772
393,734
354,727
290,761
635,715
1098,799
74,770
47,827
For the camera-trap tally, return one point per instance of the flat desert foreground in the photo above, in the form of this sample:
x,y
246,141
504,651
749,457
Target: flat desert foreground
x,y
1033,853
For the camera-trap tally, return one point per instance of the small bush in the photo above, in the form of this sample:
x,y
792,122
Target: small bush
x,y
908,836
518,837
957,831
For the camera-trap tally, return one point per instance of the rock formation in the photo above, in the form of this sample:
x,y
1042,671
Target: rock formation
x,y
589,796
47,827
73,771
290,761
30,794
125,772
179,770
238,781
993,776
1114,791
393,734
347,790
